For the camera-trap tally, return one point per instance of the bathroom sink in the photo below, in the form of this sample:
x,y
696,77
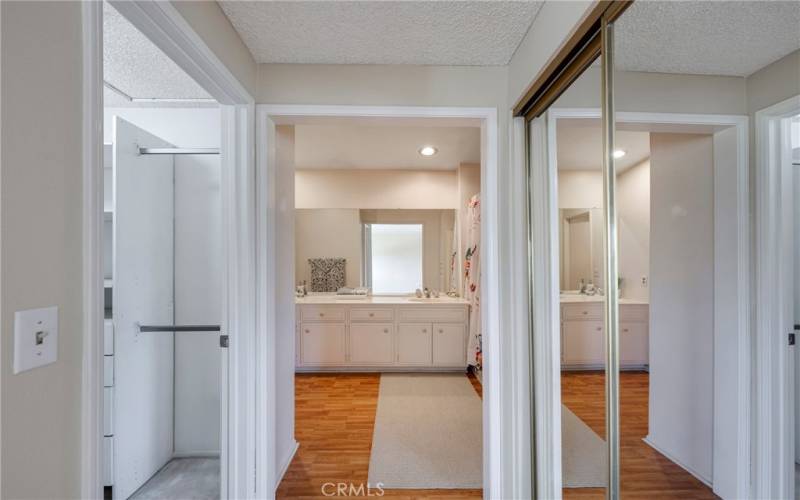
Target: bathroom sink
x,y
432,299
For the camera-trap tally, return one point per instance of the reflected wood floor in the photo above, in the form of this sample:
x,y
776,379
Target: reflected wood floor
x,y
334,418
644,473
335,414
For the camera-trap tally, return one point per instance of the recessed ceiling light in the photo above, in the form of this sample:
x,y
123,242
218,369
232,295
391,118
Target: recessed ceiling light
x,y
618,153
428,150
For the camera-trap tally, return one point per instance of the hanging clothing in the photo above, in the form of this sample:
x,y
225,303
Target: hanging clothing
x,y
452,286
472,278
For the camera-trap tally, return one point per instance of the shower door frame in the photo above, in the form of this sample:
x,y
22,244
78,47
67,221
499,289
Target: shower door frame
x,y
168,30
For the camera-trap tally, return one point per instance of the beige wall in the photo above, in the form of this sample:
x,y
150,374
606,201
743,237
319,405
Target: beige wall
x,y
401,85
40,256
328,233
207,20
410,189
337,233
682,298
284,299
580,189
633,209
774,83
584,189
552,25
660,92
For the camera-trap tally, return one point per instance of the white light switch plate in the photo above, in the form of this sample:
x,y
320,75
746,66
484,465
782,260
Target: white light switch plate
x,y
35,338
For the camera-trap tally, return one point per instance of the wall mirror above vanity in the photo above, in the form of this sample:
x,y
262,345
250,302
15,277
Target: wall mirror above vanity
x,y
581,248
389,251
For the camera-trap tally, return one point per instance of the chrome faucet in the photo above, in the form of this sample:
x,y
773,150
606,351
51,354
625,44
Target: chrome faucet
x,y
427,292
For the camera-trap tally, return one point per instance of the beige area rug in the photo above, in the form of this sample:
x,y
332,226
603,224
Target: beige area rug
x,y
583,453
428,433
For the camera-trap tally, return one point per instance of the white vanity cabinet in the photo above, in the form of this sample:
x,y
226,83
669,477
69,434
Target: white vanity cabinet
x,y
583,335
388,335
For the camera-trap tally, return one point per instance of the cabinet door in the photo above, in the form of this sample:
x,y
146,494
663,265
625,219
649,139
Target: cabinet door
x,y
583,343
414,344
322,343
448,345
371,343
633,344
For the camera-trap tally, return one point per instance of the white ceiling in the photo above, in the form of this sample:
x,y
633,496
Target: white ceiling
x,y
133,64
580,146
470,33
384,147
706,37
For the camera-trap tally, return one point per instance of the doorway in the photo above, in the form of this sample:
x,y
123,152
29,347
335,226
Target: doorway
x,y
271,118
118,232
776,365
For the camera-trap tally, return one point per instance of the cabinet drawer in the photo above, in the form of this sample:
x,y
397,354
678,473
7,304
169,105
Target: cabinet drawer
x,y
433,314
322,343
322,313
633,312
414,344
371,314
449,345
582,311
372,343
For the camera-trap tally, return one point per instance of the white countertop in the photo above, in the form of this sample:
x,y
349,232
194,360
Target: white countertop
x,y
576,299
388,300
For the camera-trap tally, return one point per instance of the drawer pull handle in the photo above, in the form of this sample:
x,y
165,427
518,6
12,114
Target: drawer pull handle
x,y
321,314
599,328
424,330
584,312
624,329
385,330
307,331
371,315
441,331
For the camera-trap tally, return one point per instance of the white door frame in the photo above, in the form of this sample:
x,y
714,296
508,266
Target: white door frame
x,y
773,474
732,352
506,472
167,29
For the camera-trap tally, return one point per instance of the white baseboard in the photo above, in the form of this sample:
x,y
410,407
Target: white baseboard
x,y
703,479
285,466
196,454
377,369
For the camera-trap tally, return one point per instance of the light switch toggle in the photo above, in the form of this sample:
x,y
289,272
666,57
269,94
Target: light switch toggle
x,y
40,335
35,338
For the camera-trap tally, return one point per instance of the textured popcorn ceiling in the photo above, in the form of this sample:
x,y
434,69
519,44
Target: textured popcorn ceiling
x,y
374,147
474,33
137,67
706,38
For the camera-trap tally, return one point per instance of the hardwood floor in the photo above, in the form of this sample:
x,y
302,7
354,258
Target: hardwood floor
x,y
645,473
334,417
335,414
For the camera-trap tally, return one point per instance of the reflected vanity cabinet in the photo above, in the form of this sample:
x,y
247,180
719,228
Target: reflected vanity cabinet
x,y
583,336
381,337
